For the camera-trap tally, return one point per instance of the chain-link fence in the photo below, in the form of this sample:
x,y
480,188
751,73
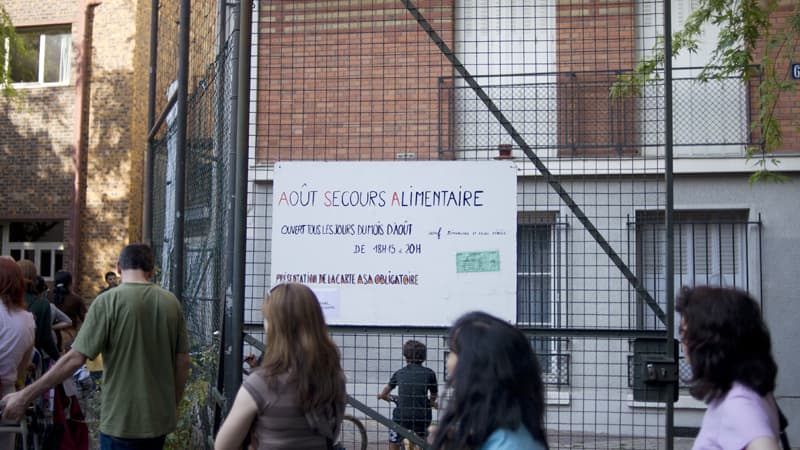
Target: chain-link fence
x,y
206,210
448,82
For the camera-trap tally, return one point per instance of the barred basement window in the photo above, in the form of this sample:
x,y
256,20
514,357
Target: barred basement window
x,y
710,248
540,246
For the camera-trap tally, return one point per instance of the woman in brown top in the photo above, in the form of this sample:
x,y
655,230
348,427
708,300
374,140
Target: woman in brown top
x,y
296,398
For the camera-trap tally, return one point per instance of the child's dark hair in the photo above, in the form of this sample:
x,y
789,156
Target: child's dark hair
x,y
496,384
415,351
726,340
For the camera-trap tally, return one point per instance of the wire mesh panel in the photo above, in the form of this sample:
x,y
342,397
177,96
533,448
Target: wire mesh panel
x,y
529,83
483,80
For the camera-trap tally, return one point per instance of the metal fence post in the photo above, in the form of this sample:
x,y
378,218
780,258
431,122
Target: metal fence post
x,y
233,372
180,150
147,194
669,264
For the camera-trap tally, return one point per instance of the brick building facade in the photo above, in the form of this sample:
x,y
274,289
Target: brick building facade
x,y
73,142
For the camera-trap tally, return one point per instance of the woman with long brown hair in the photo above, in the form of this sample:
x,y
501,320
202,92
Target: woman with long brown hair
x,y
16,332
296,398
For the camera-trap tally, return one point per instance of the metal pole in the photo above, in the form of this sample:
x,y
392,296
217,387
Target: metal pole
x,y
230,382
180,148
231,168
669,282
225,178
149,159
240,208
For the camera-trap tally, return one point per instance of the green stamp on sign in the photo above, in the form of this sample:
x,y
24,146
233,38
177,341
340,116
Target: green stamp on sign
x,y
478,261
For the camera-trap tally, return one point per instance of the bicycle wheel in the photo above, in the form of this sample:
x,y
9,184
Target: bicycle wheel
x,y
354,435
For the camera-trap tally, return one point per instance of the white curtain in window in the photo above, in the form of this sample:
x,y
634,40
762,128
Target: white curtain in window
x,y
64,60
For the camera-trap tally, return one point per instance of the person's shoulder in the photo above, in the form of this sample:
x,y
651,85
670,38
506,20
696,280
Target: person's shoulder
x,y
138,287
25,317
740,395
418,367
73,297
508,439
35,300
743,410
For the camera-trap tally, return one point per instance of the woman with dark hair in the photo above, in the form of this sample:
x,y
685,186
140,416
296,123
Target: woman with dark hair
x,y
497,400
71,304
296,398
17,330
40,309
727,345
60,320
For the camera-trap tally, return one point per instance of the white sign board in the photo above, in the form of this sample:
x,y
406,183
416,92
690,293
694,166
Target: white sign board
x,y
398,243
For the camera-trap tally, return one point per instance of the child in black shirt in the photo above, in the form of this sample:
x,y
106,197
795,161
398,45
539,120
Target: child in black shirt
x,y
414,383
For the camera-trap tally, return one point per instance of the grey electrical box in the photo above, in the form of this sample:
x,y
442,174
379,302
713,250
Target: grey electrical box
x,y
655,374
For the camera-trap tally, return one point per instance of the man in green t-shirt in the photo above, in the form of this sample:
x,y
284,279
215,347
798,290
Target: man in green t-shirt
x,y
140,330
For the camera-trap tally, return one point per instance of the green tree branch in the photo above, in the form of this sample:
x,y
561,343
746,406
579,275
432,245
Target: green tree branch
x,y
743,24
8,41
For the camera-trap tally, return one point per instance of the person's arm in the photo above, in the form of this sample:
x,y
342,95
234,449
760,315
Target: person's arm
x,y
182,363
48,344
60,320
233,431
433,388
384,395
763,443
17,402
434,403
25,361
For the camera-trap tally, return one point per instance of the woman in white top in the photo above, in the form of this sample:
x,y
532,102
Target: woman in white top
x,y
17,330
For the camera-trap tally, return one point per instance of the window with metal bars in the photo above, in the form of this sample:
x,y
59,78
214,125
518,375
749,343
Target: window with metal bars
x,y
539,246
709,248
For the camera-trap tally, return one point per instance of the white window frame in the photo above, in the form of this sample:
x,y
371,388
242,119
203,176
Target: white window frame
x,y
55,30
37,248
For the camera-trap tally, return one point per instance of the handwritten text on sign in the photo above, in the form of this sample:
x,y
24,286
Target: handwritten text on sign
x,y
401,243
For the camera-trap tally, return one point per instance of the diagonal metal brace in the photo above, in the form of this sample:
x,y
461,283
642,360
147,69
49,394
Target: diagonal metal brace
x,y
551,179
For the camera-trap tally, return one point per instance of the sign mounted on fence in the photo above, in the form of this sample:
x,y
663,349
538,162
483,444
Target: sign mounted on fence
x,y
398,243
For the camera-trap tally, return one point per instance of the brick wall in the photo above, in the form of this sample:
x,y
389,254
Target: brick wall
x,y
111,216
37,137
354,82
36,134
595,38
787,110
